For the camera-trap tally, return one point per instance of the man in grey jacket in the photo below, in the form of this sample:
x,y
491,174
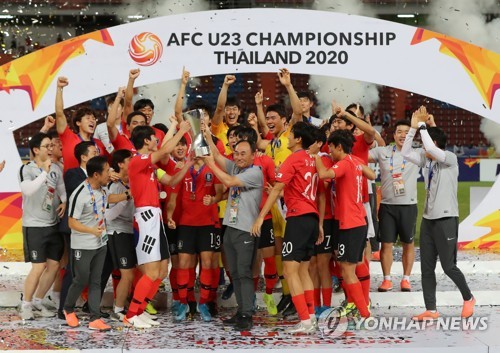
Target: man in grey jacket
x,y
245,182
439,228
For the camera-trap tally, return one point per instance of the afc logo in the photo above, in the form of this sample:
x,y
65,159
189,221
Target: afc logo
x,y
78,255
123,261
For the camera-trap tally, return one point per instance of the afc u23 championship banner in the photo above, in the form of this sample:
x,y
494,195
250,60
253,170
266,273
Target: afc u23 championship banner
x,y
250,40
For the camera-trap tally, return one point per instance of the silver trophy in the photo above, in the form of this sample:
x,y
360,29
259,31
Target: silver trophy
x,y
199,146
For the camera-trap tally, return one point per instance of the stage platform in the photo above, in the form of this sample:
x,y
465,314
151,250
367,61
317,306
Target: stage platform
x,y
268,333
481,270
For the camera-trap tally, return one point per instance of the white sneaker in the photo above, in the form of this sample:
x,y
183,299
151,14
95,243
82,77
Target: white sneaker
x,y
149,316
26,312
42,311
136,322
148,320
50,303
314,321
301,328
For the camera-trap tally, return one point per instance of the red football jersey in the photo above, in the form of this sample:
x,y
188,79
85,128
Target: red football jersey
x,y
158,133
360,150
69,140
191,190
298,173
122,142
268,170
171,170
328,163
349,209
144,185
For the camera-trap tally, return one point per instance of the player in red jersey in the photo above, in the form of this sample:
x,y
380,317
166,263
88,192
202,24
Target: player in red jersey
x,y
199,192
144,106
351,120
84,123
319,264
349,211
298,173
175,164
152,247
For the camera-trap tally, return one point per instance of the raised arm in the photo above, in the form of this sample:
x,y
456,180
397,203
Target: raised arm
x,y
221,101
218,157
113,116
169,146
429,145
61,122
261,117
129,92
285,79
48,124
407,150
369,131
181,94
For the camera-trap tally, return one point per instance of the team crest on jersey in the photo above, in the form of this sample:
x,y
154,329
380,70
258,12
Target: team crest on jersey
x,y
34,254
78,254
209,177
123,261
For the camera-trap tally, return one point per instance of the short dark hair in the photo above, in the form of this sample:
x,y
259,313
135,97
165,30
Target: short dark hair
x,y
278,108
253,146
232,128
82,149
202,104
143,103
111,99
319,135
53,134
139,134
231,101
182,141
79,114
247,133
96,165
135,113
353,106
36,141
305,94
342,137
119,156
439,136
161,127
305,132
402,122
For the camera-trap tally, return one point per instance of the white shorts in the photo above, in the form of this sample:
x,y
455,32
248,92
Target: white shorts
x,y
371,228
152,244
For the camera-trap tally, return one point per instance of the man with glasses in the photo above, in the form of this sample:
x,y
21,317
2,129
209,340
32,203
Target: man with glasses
x,y
44,201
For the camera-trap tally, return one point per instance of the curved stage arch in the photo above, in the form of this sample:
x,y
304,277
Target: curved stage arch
x,y
250,40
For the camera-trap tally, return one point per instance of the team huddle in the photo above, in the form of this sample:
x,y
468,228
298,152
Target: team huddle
x,y
287,194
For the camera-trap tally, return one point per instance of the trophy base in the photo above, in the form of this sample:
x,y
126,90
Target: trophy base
x,y
201,151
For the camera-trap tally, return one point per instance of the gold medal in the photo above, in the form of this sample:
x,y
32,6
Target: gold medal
x,y
192,196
